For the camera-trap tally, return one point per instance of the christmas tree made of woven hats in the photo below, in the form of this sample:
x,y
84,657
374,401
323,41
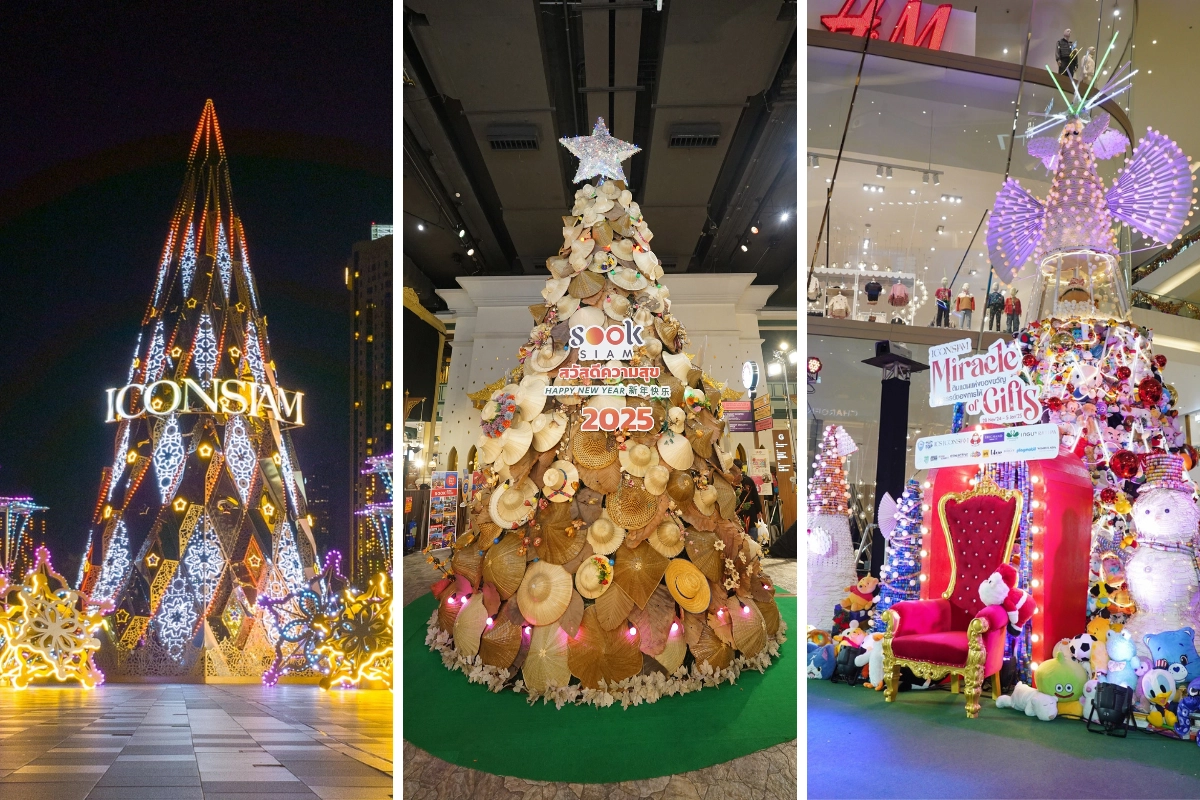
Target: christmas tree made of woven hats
x,y
604,550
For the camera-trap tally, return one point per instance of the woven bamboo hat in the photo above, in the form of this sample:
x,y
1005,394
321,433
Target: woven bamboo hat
x,y
667,538
657,478
546,663
593,577
705,500
604,535
679,365
595,654
637,459
510,506
631,506
548,429
638,571
588,317
560,482
688,585
586,284
616,305
504,565
681,487
545,593
554,289
593,449
555,537
546,358
703,551
628,278
469,625
676,450
749,627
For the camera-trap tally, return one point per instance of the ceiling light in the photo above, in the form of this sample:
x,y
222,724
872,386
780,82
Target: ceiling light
x,y
879,172
1006,51
816,162
889,173
941,229
912,191
462,232
943,218
784,216
783,345
471,251
754,229
420,226
745,248
924,177
937,179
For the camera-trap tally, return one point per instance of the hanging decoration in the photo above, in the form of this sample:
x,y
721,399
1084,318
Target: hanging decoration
x,y
359,645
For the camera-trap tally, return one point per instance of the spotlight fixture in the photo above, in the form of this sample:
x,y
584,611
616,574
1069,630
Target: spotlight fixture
x,y
937,179
470,251
745,247
784,217
754,229
816,162
462,232
879,171
941,229
924,177
889,173
420,226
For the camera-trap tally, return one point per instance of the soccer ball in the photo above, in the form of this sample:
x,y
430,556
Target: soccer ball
x,y
1081,647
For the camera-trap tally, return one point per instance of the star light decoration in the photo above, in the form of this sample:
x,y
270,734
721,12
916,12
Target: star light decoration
x,y
47,630
359,647
599,154
304,619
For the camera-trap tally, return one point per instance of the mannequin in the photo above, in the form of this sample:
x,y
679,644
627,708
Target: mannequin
x,y
942,295
993,308
1012,311
1087,66
965,304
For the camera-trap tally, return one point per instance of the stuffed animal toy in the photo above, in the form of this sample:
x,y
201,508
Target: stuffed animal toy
x,y
1175,652
1031,701
1099,627
873,660
1081,649
1159,688
852,636
1063,679
1000,589
818,637
1123,661
1188,708
862,594
1088,698
821,661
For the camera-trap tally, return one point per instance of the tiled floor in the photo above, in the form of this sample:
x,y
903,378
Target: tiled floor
x,y
766,775
184,742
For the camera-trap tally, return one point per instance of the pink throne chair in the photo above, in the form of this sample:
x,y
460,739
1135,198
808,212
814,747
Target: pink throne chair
x,y
957,635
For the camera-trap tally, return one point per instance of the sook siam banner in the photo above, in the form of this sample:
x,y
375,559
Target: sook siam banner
x,y
1025,443
608,343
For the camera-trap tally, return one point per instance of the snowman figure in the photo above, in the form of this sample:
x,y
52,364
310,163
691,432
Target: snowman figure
x,y
1161,573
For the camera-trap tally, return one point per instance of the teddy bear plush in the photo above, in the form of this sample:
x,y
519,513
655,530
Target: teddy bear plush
x,y
1031,701
861,595
1123,661
1175,652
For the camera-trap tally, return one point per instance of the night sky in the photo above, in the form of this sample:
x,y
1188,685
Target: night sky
x,y
98,103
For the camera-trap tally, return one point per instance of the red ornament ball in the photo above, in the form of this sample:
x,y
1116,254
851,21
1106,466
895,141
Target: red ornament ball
x,y
1054,404
1030,360
1161,360
1124,464
1108,495
1150,391
1123,373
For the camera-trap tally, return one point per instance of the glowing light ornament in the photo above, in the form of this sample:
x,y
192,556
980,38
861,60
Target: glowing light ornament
x,y
239,455
187,261
246,268
204,561
289,478
156,355
304,619
288,558
115,568
176,619
163,268
204,350
224,262
254,353
599,154
119,460
900,524
47,630
168,456
359,647
830,550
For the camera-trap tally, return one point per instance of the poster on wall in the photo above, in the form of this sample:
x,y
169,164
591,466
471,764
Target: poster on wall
x,y
1025,443
760,470
443,509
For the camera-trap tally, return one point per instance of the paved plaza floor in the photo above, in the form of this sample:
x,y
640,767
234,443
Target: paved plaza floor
x,y
191,742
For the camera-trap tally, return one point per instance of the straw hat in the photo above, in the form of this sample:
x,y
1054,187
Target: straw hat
x,y
671,658
703,552
547,357
512,507
681,487
705,500
688,585
596,655
560,481
554,536
504,565
587,317
466,561
770,614
548,430
675,450
469,625
712,650
631,506
606,401
530,396
701,441
593,577
586,284
679,365
667,539
613,607
638,571
489,448
628,278
604,535
545,593
637,459
602,232
605,480
500,643
667,332
656,479
677,418
593,449
749,627
726,497
616,305
559,267
546,662
567,306
645,259
588,501
623,249
554,289
602,262
567,399
514,443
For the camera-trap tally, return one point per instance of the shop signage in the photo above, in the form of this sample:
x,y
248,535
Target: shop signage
x,y
166,397
762,407
783,468
1015,402
738,415
604,344
954,378
910,22
1025,443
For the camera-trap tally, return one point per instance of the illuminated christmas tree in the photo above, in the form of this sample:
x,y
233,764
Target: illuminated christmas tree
x,y
830,547
201,510
900,523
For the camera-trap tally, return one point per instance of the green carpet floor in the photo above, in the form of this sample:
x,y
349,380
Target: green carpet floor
x,y
923,746
466,724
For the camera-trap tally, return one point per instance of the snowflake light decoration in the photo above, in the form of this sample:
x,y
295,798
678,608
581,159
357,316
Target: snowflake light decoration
x,y
224,263
156,356
187,261
288,557
246,270
115,568
176,618
204,561
254,352
289,480
204,351
239,455
303,620
168,457
47,630
359,647
133,364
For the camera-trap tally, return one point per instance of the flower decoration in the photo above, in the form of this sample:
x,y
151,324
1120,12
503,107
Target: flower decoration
x,y
359,646
498,414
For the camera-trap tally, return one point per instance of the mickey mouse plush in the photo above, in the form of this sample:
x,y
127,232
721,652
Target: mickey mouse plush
x,y
1000,589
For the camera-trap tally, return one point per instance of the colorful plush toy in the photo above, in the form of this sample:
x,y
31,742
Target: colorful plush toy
x,y
1088,698
1123,661
818,637
1175,652
1099,627
1187,709
854,636
1082,648
821,661
1000,589
862,594
1031,701
873,660
1159,688
1064,679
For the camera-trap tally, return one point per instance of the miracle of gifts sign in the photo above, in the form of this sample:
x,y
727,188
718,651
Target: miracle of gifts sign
x,y
989,383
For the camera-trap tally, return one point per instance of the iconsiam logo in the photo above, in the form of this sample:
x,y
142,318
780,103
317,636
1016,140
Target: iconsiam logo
x,y
166,397
605,344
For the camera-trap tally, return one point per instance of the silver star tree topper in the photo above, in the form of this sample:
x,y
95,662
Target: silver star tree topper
x,y
599,154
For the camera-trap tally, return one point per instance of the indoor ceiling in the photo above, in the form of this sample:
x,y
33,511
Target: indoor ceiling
x,y
706,88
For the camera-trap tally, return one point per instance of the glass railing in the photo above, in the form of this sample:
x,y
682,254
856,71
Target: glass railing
x,y
1165,304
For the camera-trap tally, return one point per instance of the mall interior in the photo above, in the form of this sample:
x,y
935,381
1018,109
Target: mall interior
x,y
683,229
987,154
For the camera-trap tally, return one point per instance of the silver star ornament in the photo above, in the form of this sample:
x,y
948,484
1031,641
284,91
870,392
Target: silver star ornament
x,y
599,154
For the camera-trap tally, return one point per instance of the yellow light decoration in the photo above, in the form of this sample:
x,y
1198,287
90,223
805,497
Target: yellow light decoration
x,y
46,631
176,351
359,648
277,459
254,561
268,509
191,303
235,353
131,457
180,504
205,450
108,512
152,560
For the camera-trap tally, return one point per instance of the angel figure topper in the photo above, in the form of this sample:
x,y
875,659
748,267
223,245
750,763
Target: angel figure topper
x,y
1069,236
